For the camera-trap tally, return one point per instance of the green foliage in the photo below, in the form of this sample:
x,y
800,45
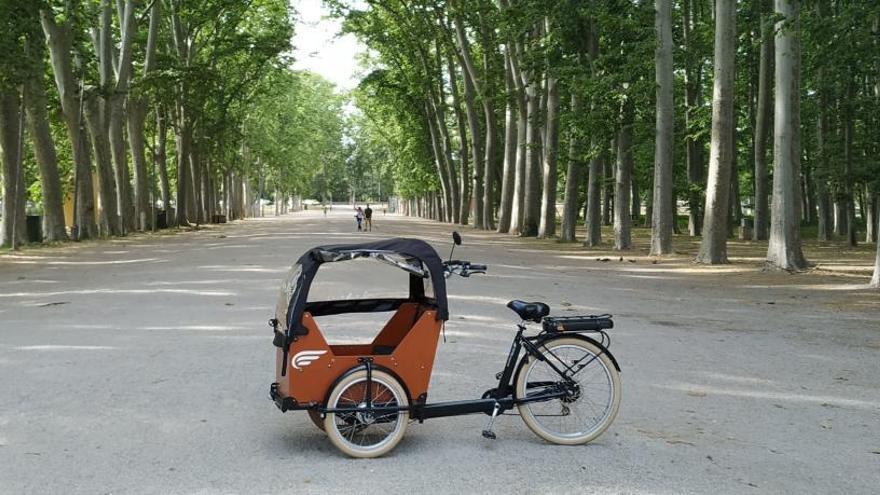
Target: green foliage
x,y
294,130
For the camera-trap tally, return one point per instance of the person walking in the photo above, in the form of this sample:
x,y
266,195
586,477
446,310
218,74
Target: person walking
x,y
359,216
368,216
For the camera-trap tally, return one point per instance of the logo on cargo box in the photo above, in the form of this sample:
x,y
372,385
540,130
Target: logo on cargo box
x,y
305,358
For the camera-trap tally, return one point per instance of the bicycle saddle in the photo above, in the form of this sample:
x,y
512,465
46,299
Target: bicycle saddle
x,y
532,311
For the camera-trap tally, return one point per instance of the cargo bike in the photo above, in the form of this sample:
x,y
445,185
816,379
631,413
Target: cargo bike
x,y
561,377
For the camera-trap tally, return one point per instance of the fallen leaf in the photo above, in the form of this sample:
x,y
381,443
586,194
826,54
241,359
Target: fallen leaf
x,y
696,393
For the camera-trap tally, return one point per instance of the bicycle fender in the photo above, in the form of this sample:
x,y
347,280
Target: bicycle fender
x,y
587,339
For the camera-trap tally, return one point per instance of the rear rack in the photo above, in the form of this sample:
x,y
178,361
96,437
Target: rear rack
x,y
581,323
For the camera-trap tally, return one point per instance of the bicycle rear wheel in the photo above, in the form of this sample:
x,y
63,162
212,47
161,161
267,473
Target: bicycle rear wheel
x,y
593,396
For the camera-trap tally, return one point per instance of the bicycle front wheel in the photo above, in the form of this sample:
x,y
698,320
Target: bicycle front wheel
x,y
360,432
592,395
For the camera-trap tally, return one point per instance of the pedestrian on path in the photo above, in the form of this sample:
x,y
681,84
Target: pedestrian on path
x,y
359,216
368,216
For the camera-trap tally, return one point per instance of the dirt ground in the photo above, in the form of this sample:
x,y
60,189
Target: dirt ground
x,y
142,365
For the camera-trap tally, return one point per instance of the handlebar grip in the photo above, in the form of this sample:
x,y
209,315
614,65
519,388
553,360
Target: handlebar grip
x,y
475,267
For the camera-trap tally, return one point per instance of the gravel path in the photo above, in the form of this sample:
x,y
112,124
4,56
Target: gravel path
x,y
142,365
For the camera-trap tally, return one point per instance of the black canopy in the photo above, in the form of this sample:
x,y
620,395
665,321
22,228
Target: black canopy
x,y
413,255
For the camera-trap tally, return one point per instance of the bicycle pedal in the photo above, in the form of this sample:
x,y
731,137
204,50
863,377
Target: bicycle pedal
x,y
489,434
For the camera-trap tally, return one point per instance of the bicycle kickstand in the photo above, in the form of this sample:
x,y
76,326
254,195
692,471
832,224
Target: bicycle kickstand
x,y
488,433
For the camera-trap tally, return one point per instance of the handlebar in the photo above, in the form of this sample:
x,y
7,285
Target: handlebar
x,y
463,268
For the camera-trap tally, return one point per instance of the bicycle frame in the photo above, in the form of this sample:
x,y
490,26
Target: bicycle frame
x,y
503,397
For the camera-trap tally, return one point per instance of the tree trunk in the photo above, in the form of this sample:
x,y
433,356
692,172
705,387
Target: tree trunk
x,y
849,203
547,224
517,214
608,194
762,130
570,204
593,216
195,168
44,149
826,213
450,194
109,221
807,195
693,146
532,192
463,179
510,148
871,203
713,247
784,251
875,280
437,146
59,39
113,103
136,116
12,232
182,140
623,181
487,97
635,202
470,90
120,162
662,213
160,160
735,199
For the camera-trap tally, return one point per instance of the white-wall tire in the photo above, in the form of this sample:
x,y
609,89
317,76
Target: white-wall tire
x,y
599,395
364,435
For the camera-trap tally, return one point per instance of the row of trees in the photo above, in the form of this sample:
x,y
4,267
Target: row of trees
x,y
129,106
494,109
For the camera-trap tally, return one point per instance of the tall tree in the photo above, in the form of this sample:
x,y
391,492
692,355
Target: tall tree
x,y
508,176
664,203
713,247
547,223
463,169
875,280
572,178
60,38
517,214
623,179
533,176
11,143
784,250
44,145
137,115
115,83
474,88
694,142
762,126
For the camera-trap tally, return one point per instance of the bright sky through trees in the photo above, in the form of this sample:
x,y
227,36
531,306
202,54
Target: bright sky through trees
x,y
318,47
